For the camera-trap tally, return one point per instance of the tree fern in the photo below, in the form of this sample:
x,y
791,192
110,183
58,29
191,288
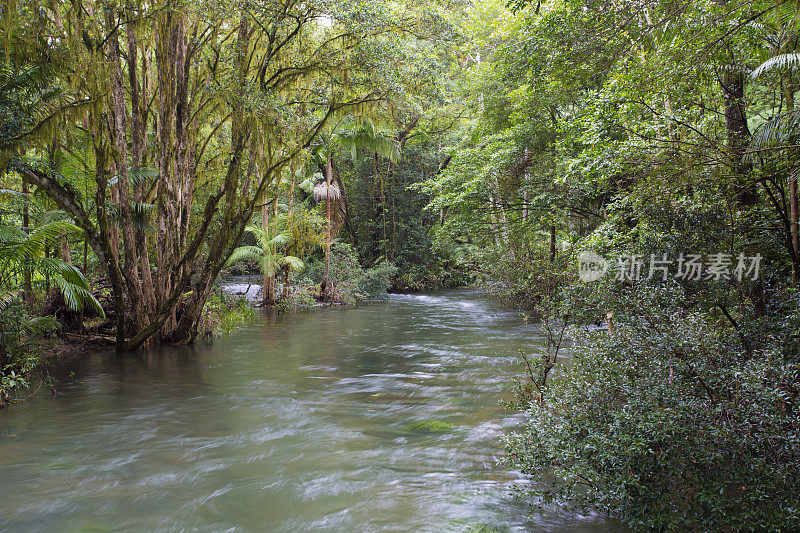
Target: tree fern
x,y
294,263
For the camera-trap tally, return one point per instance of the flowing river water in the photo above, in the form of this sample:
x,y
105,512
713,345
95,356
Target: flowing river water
x,y
380,417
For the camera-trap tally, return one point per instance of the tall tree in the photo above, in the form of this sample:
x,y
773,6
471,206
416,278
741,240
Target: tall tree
x,y
206,98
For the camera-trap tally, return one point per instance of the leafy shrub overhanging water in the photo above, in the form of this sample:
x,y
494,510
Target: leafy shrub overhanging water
x,y
669,421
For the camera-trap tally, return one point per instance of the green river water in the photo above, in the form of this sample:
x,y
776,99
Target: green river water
x,y
381,417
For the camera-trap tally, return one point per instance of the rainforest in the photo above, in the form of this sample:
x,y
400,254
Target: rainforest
x,y
416,265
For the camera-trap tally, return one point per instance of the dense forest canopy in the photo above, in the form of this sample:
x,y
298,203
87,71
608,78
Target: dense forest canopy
x,y
148,148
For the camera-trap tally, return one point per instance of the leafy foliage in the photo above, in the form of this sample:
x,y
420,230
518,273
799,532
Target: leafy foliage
x,y
350,282
668,422
638,129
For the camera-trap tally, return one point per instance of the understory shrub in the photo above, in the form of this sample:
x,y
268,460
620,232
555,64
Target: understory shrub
x,y
522,280
298,299
350,281
19,333
669,421
223,312
446,265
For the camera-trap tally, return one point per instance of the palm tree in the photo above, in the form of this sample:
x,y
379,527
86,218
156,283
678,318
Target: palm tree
x,y
22,260
20,250
783,129
268,256
329,192
354,136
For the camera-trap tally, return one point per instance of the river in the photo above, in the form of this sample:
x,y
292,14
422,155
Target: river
x,y
380,417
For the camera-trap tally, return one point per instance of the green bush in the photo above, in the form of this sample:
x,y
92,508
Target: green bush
x,y
298,299
376,281
447,264
523,280
350,282
18,335
669,422
223,313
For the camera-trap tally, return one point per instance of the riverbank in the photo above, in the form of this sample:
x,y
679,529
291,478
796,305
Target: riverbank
x,y
234,303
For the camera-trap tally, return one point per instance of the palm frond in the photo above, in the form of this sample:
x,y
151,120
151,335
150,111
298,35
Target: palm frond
x,y
11,234
41,324
245,253
779,130
307,185
72,283
137,176
270,264
365,136
6,299
16,245
47,234
141,213
54,215
77,297
293,263
779,62
142,175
